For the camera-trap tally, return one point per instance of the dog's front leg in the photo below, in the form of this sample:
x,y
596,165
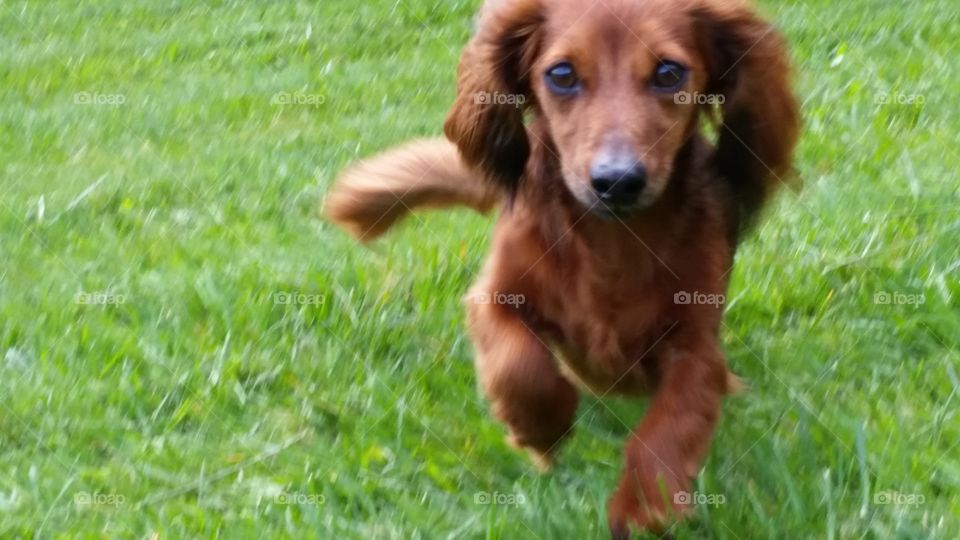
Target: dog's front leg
x,y
522,381
666,450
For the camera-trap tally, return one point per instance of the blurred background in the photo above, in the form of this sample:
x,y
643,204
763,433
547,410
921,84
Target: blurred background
x,y
186,350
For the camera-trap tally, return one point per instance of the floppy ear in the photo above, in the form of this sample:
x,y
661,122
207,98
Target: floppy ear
x,y
493,90
748,65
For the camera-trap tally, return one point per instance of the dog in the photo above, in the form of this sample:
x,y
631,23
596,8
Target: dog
x,y
585,124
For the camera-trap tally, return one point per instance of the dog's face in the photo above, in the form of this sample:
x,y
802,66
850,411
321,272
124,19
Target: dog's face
x,y
614,90
618,86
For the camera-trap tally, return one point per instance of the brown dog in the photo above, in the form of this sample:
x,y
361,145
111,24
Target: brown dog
x,y
619,219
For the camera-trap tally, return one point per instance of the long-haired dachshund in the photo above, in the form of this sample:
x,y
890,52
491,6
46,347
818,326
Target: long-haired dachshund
x,y
618,217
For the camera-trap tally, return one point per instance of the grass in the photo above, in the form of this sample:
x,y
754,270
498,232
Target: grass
x,y
147,165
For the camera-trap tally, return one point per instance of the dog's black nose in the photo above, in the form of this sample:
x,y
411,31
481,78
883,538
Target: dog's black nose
x,y
618,184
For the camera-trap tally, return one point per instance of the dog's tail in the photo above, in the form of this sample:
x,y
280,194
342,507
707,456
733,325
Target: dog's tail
x,y
371,196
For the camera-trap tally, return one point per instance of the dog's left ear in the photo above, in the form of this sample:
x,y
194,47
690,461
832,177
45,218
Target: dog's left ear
x,y
748,64
493,90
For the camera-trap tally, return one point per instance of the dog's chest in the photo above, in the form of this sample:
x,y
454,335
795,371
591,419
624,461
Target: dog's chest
x,y
606,330
603,302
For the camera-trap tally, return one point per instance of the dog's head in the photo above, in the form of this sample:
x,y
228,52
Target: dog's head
x,y
619,86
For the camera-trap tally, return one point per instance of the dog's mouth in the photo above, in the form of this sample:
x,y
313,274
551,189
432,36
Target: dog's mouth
x,y
609,209
616,211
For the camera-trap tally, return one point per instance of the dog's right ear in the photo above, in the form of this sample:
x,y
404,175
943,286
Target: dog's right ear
x,y
493,91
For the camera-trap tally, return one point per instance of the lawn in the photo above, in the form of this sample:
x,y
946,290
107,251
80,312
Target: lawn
x,y
186,350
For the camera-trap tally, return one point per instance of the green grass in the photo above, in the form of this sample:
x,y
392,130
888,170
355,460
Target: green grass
x,y
189,408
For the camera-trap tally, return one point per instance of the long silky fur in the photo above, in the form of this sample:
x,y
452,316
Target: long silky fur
x,y
373,195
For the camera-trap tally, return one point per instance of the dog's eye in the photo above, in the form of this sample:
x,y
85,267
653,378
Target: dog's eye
x,y
669,76
562,79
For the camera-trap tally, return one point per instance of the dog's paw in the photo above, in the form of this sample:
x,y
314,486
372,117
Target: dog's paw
x,y
543,462
649,497
629,510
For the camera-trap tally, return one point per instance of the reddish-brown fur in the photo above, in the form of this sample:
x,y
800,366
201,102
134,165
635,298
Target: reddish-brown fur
x,y
600,311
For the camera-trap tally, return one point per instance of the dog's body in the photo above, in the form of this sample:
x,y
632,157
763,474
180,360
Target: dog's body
x,y
614,295
602,291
